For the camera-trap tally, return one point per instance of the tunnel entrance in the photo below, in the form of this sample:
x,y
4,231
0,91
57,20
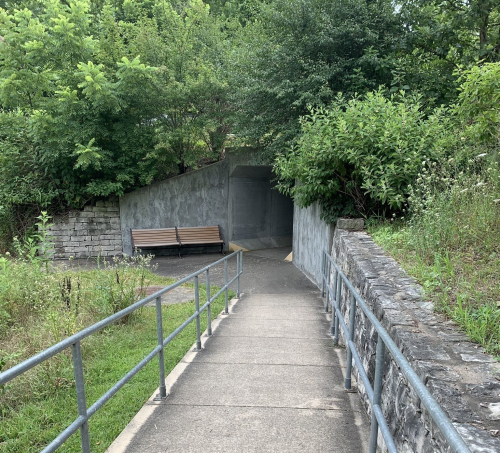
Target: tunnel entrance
x,y
259,216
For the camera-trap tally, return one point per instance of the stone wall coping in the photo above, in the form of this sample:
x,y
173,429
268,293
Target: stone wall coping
x,y
350,224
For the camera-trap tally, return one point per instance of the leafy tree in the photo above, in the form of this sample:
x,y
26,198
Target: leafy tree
x,y
300,53
457,30
193,86
443,36
187,45
478,104
97,120
85,123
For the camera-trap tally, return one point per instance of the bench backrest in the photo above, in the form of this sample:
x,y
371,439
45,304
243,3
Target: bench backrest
x,y
199,234
160,236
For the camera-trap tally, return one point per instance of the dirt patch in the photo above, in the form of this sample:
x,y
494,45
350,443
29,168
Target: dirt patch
x,y
175,296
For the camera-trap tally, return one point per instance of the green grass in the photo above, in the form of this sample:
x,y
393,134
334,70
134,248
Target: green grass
x,y
107,357
462,282
450,242
40,306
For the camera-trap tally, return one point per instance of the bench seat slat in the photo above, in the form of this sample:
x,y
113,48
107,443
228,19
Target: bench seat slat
x,y
148,238
200,238
153,230
165,237
158,235
203,242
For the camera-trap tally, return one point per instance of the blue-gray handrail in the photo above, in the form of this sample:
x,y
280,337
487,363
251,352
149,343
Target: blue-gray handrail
x,y
384,342
74,342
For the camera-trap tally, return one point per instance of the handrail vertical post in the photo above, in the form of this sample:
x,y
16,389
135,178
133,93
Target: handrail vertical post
x,y
226,306
323,264
377,392
80,395
197,307
337,305
334,314
238,274
328,269
161,356
209,306
352,318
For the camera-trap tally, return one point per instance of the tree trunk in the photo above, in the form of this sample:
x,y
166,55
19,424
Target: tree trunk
x,y
483,30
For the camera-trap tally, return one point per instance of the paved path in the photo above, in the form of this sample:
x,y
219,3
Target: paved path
x,y
268,380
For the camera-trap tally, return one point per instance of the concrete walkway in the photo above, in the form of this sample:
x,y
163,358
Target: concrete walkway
x,y
268,379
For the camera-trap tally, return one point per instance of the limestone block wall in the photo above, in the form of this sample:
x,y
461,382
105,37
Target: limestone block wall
x,y
463,379
95,231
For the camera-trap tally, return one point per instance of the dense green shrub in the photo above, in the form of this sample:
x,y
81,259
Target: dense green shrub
x,y
479,103
360,156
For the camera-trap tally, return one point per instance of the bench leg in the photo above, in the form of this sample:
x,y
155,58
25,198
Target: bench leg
x,y
180,253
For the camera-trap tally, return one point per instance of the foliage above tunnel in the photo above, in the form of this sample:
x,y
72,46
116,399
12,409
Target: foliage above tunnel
x,y
93,106
99,97
360,156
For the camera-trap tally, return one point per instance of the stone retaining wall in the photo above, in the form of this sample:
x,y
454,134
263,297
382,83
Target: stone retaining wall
x,y
462,378
95,231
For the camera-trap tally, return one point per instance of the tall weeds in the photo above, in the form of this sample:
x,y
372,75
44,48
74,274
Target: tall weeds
x,y
40,306
451,241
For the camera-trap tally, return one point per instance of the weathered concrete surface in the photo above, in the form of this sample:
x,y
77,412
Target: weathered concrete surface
x,y
252,390
461,377
311,236
198,198
265,272
258,429
233,193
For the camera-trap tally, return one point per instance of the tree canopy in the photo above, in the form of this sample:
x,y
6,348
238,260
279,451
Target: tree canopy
x,y
98,97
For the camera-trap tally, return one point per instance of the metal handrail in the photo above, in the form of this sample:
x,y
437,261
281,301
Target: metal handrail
x,y
74,341
384,341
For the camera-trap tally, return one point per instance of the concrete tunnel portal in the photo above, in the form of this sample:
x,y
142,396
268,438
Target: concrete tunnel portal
x,y
259,216
234,194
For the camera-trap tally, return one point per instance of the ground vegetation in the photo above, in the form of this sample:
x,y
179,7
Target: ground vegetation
x,y
448,236
41,304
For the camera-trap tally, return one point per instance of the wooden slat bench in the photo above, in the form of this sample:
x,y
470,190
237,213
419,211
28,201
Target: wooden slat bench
x,y
160,237
192,236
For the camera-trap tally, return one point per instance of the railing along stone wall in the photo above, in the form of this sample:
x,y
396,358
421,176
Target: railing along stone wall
x,y
463,379
95,231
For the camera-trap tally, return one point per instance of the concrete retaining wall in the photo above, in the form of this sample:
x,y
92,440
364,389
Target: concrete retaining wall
x,y
92,232
311,236
235,194
198,198
462,378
